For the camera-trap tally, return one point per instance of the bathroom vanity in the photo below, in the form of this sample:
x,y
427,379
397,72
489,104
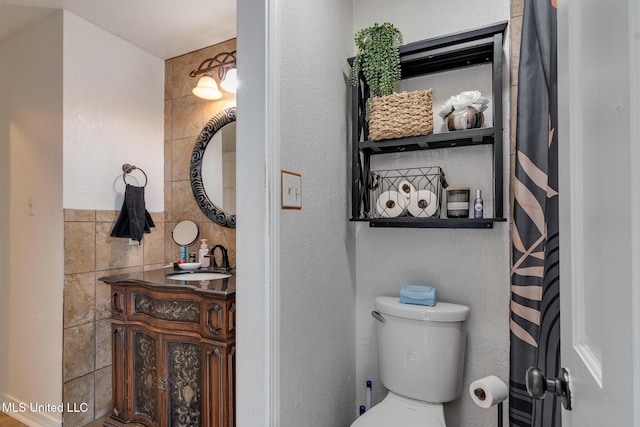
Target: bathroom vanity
x,y
173,349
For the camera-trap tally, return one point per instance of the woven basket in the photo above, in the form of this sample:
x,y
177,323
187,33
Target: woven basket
x,y
401,114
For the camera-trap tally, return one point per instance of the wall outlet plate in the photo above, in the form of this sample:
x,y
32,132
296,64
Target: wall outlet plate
x,y
290,190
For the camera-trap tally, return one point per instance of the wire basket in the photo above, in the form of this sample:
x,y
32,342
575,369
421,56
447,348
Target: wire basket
x,y
412,192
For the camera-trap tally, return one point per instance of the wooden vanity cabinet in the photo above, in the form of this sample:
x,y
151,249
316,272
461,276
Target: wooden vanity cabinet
x,y
173,357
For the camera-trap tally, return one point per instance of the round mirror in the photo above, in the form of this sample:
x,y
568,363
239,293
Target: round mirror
x,y
185,233
213,168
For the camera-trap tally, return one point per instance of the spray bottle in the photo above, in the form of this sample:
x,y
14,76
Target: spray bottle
x,y
478,208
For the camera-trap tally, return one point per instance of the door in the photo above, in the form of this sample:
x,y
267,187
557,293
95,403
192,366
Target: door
x,y
599,95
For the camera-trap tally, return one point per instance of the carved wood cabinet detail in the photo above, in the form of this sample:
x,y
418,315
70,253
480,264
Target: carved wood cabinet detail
x,y
173,357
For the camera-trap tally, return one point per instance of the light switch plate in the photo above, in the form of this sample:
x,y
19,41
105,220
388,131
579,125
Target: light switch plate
x,y
290,190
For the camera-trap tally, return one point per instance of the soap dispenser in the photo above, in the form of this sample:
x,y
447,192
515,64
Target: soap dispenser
x,y
203,254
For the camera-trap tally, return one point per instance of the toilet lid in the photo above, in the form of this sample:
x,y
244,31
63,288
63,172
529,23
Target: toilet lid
x,y
396,412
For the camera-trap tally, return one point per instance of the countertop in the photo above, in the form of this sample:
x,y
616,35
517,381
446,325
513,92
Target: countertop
x,y
157,278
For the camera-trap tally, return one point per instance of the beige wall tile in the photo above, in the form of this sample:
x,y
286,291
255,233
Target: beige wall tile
x,y
157,217
103,299
181,150
103,344
516,30
168,67
103,395
182,200
168,167
115,252
79,247
107,216
153,245
171,251
182,83
79,215
517,7
79,392
215,107
79,350
79,299
186,115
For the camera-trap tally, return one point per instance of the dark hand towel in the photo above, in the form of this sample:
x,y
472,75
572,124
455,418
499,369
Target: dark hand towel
x,y
134,220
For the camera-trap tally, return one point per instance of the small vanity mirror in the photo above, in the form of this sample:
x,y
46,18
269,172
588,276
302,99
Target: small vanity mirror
x,y
212,169
185,233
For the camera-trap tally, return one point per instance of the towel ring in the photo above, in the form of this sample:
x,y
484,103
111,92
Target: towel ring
x,y
127,168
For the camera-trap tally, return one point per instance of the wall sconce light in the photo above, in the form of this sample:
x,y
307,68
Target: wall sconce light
x,y
207,88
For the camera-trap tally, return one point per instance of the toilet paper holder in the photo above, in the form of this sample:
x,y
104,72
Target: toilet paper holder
x,y
480,394
488,392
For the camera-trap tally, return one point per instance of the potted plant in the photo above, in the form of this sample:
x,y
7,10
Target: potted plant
x,y
378,58
389,114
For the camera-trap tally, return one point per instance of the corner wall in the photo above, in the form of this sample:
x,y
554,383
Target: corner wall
x,y
317,243
113,114
74,109
468,267
32,261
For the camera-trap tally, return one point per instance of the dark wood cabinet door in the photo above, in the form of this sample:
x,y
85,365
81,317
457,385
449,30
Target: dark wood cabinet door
x,y
184,397
146,384
219,383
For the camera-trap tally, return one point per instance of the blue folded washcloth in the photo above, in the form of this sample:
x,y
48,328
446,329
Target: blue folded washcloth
x,y
418,294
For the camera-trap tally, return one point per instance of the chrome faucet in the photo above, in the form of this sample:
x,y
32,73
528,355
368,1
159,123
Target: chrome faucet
x,y
225,258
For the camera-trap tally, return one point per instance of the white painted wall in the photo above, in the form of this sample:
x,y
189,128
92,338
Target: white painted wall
x,y
297,263
468,267
254,393
113,114
76,104
32,261
317,292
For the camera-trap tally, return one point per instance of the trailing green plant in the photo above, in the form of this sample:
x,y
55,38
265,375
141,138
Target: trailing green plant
x,y
378,58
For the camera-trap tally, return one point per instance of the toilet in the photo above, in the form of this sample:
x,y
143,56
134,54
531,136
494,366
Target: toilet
x,y
421,358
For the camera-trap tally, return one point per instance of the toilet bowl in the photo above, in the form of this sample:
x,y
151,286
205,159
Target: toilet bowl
x,y
421,357
400,411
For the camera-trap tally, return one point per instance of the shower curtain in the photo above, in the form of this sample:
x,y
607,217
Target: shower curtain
x,y
535,296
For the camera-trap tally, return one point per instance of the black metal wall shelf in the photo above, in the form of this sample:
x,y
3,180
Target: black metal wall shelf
x,y
406,222
458,138
465,49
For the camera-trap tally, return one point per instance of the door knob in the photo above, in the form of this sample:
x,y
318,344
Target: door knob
x,y
538,385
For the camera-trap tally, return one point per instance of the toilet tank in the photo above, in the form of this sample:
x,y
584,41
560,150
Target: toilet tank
x,y
421,349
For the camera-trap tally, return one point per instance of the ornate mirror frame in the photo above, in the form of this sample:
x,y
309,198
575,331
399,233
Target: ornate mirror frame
x,y
213,212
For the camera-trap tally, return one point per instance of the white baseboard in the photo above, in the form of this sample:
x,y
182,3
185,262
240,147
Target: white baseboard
x,y
22,411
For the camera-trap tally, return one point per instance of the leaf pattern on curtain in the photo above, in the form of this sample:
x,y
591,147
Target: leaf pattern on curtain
x,y
535,310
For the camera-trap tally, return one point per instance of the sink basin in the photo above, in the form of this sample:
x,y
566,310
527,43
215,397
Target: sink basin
x,y
197,275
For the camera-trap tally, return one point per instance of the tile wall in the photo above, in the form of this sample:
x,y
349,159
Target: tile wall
x,y
90,253
185,115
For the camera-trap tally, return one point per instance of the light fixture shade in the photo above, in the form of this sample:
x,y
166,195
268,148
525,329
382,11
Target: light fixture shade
x,y
207,88
230,81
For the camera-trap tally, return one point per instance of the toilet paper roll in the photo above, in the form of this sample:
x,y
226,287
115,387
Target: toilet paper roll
x,y
488,391
423,204
406,188
391,204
